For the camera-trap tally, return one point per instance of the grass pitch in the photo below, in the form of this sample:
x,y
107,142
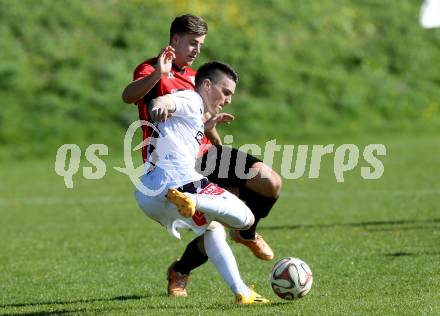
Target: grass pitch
x,y
373,246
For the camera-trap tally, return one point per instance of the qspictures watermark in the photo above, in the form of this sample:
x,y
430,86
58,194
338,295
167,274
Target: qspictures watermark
x,y
297,161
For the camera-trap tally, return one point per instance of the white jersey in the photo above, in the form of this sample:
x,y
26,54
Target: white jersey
x,y
177,140
176,145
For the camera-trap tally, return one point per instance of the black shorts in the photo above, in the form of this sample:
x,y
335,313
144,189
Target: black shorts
x,y
194,187
225,166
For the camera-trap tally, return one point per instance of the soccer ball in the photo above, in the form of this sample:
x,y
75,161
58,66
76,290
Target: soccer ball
x,y
291,278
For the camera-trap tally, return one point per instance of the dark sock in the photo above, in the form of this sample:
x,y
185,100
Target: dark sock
x,y
191,258
250,233
260,207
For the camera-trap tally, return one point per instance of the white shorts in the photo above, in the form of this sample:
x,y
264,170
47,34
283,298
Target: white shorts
x,y
157,207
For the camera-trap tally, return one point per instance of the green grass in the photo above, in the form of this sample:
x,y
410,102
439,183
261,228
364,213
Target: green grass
x,y
373,245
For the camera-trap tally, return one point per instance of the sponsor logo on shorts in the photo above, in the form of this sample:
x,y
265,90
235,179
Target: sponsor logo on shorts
x,y
212,189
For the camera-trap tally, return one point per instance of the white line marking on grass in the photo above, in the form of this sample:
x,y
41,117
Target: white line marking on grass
x,y
64,201
361,193
49,200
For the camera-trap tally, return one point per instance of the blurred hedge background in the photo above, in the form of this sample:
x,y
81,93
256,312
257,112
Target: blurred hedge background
x,y
307,67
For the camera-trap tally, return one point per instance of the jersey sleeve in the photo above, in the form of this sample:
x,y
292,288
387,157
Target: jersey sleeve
x,y
188,104
143,70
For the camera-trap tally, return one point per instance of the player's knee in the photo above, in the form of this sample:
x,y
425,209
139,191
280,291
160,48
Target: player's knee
x,y
267,182
250,220
216,226
274,188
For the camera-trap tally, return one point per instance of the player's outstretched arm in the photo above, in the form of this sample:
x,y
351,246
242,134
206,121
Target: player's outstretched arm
x,y
161,108
137,89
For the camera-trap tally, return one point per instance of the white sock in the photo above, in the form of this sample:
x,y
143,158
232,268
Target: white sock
x,y
223,259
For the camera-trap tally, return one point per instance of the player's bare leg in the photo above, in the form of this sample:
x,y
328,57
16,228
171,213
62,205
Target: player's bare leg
x,y
260,193
267,182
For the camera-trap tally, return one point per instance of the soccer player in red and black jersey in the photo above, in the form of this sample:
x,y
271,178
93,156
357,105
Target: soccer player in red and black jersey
x,y
150,80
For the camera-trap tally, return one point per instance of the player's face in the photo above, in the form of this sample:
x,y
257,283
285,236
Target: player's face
x,y
220,94
187,48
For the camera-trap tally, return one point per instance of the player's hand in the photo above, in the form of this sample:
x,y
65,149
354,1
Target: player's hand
x,y
159,114
218,118
165,60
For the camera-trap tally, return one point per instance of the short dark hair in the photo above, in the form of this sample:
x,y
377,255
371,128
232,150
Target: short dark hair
x,y
188,23
213,71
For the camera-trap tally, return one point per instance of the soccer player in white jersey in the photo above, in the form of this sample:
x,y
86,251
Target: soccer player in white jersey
x,y
173,193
